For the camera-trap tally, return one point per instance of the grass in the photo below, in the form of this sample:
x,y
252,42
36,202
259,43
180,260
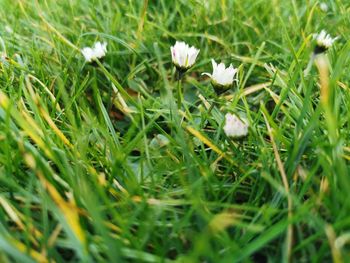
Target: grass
x,y
97,164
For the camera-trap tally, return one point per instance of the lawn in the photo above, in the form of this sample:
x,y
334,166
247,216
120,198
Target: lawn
x,y
128,153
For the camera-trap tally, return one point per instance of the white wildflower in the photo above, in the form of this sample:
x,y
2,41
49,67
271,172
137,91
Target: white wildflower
x,y
8,29
222,76
183,56
324,40
96,52
324,7
235,127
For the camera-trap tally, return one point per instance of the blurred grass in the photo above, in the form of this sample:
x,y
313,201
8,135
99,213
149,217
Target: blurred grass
x,y
85,178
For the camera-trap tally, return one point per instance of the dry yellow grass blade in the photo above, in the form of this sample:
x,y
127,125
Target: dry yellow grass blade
x,y
59,35
159,202
36,98
211,145
347,157
326,91
31,129
17,218
221,221
113,227
121,104
142,20
346,148
54,235
342,85
273,95
204,101
69,210
38,257
336,253
39,142
52,97
249,90
322,66
53,126
33,94
276,98
26,122
26,115
172,156
4,101
280,165
103,183
150,201
205,140
22,8
11,212
120,187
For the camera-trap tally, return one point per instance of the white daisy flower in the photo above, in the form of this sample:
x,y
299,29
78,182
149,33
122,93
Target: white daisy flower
x,y
324,7
222,77
324,41
235,127
8,29
183,56
98,51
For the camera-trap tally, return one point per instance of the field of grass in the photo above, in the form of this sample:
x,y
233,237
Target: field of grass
x,y
98,163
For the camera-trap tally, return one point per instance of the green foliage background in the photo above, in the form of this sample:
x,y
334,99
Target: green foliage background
x,y
83,177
